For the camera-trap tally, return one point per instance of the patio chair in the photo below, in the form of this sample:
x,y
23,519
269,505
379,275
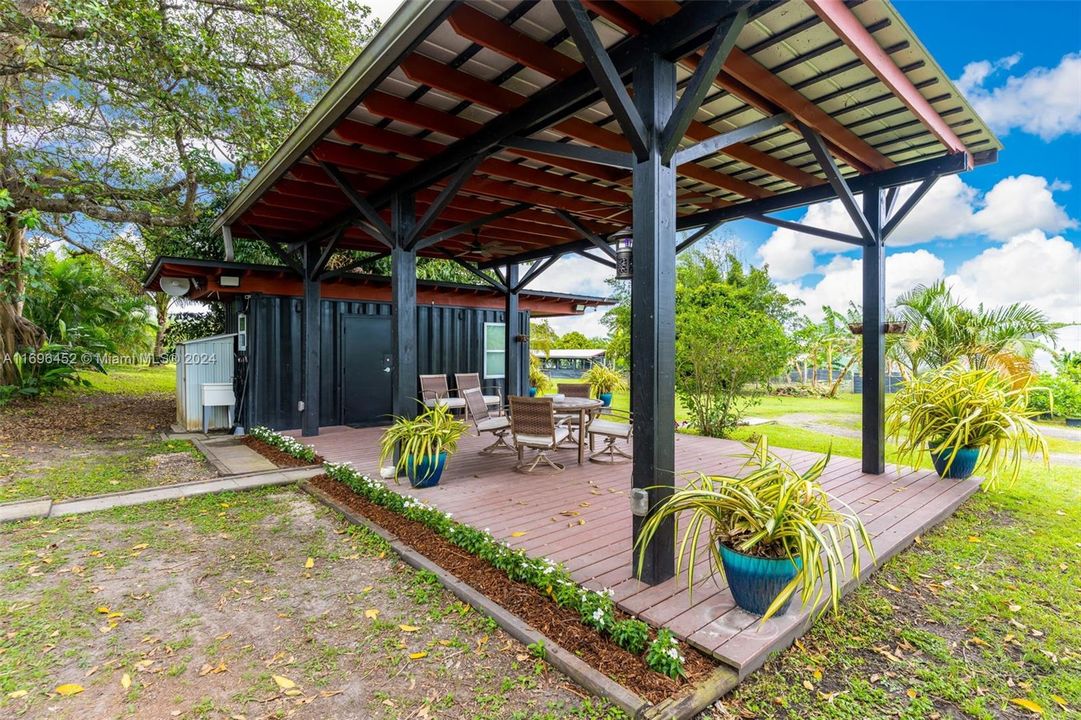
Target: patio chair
x,y
615,428
485,422
467,381
574,390
435,391
533,425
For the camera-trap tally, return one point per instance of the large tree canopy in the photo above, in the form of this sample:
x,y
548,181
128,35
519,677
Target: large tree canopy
x,y
134,112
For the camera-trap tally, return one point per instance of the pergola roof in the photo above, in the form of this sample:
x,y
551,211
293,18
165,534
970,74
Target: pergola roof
x,y
460,94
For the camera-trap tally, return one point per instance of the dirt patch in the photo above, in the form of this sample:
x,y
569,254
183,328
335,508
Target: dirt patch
x,y
276,456
201,603
562,625
100,417
836,424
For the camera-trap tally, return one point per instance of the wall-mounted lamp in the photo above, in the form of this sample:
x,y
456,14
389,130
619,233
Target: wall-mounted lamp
x,y
229,281
579,308
624,239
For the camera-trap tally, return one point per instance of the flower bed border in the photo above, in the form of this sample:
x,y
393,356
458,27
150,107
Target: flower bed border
x,y
703,694
304,455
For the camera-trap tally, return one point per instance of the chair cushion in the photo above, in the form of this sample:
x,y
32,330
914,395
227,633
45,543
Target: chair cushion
x,y
492,400
609,427
450,402
543,441
493,423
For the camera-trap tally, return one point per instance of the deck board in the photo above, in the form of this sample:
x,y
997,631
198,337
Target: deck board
x,y
581,517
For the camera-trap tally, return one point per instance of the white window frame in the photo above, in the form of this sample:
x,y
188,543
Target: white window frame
x,y
501,350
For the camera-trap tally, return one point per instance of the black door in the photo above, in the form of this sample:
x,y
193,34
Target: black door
x,y
366,369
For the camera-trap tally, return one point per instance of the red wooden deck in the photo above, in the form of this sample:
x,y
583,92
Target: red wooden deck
x,y
581,518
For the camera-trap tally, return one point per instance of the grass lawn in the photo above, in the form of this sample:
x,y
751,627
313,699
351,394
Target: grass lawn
x,y
130,380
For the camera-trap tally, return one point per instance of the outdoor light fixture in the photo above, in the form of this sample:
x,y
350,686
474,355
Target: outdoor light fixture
x,y
579,308
624,239
639,502
229,281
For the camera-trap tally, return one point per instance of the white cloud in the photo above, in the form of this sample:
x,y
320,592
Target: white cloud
x,y
577,275
951,209
842,281
1044,101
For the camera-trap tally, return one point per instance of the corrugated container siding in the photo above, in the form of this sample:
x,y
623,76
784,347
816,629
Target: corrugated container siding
x,y
206,360
449,340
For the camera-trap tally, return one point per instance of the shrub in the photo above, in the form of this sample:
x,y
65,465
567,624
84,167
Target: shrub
x,y
664,655
631,635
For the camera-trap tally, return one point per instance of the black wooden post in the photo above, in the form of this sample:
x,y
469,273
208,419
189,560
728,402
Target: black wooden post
x,y
403,303
653,288
874,339
310,343
512,380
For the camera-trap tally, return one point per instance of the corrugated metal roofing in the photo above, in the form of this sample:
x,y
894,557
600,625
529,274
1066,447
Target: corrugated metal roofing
x,y
438,72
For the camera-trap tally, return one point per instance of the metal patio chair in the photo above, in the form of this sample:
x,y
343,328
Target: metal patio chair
x,y
467,381
533,425
435,391
485,422
574,390
615,427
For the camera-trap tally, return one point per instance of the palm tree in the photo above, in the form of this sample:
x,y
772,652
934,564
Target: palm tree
x,y
941,330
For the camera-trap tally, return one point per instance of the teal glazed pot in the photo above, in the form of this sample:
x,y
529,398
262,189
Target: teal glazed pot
x,y
606,399
962,467
427,472
532,392
756,582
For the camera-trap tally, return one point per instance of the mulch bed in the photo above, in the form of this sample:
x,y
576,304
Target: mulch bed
x,y
560,624
276,456
102,417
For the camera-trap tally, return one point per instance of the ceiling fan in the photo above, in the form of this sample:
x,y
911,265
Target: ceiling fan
x,y
488,249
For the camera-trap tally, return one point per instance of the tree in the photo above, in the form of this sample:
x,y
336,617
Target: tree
x,y
941,330
575,340
133,112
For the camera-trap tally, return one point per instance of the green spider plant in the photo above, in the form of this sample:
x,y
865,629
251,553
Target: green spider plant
x,y
430,433
604,379
954,407
771,511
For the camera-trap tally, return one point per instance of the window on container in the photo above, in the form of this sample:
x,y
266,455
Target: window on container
x,y
495,350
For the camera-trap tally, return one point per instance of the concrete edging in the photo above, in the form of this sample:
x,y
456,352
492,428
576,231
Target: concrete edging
x,y
722,680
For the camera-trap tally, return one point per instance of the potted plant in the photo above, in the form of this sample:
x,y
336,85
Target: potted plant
x,y
772,530
604,380
967,420
423,444
537,379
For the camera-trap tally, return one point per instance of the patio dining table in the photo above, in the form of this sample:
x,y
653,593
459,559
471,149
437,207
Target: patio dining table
x,y
583,406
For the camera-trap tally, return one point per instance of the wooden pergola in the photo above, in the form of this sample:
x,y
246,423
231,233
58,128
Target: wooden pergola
x,y
504,135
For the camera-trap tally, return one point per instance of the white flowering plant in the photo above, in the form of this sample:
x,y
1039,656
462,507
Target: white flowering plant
x,y
595,608
289,446
664,656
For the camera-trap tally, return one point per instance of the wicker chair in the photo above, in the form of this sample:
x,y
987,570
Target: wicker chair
x,y
615,426
571,390
485,422
533,425
574,390
467,381
435,391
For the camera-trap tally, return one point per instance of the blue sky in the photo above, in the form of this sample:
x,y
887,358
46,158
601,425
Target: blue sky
x,y
1007,232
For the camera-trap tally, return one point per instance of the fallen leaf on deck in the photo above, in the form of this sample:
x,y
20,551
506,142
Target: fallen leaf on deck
x,y
68,689
408,628
518,533
418,655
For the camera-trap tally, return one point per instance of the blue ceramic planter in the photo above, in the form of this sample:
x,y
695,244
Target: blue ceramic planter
x,y
755,582
962,467
427,472
606,399
532,392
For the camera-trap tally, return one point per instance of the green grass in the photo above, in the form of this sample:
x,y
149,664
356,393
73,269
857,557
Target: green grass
x,y
133,380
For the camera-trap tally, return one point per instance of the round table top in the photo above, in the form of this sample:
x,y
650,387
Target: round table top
x,y
575,403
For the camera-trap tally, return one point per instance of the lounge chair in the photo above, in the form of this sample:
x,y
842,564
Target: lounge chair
x,y
466,381
615,427
435,391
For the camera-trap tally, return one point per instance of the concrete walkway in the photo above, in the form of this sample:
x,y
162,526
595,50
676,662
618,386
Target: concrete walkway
x,y
229,456
45,507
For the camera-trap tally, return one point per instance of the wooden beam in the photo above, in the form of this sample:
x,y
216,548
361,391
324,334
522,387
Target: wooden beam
x,y
807,229
907,207
590,256
467,226
604,72
586,153
725,140
723,40
587,234
534,272
383,231
848,27
697,235
355,265
324,257
440,203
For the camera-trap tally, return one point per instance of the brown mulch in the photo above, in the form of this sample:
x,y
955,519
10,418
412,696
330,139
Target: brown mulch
x,y
560,624
102,417
276,456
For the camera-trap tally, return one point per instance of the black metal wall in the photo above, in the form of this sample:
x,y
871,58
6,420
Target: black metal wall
x,y
270,383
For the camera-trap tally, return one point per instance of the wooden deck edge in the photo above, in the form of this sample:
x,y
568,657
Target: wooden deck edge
x,y
563,660
785,640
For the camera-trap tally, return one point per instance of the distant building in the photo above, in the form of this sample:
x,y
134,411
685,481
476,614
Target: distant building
x,y
568,363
